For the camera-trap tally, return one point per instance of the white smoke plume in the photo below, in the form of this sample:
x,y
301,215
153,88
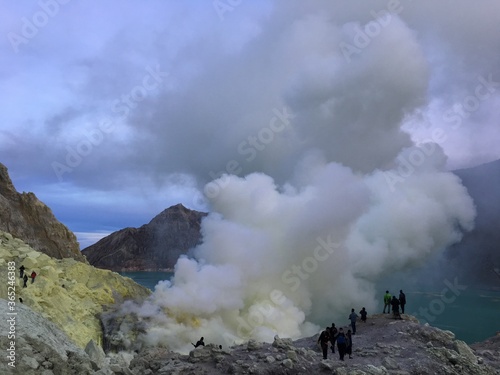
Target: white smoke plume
x,y
346,198
278,260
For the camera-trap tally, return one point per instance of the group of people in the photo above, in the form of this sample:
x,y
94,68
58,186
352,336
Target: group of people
x,y
333,336
343,340
394,303
24,276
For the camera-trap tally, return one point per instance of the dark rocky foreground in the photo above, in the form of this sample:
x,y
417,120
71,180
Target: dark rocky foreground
x,y
381,346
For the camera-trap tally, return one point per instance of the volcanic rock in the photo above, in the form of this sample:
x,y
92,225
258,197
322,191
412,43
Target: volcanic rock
x,y
155,246
27,218
38,345
381,346
69,293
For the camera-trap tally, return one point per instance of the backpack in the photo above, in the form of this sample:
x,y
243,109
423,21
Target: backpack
x,y
340,339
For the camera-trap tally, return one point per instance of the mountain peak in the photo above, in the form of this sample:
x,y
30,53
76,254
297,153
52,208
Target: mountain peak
x,y
154,246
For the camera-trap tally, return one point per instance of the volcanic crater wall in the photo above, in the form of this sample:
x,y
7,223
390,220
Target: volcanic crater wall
x,y
25,217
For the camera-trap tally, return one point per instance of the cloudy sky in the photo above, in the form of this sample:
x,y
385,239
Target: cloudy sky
x,y
114,110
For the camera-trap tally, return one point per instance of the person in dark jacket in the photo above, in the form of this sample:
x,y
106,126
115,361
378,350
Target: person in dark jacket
x,y
402,301
363,314
333,336
200,342
353,317
21,271
341,344
323,340
348,349
25,280
395,307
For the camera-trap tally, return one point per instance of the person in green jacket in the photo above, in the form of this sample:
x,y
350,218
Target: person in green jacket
x,y
387,302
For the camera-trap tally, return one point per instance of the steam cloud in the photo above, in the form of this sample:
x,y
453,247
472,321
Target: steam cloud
x,y
300,232
302,120
275,259
280,258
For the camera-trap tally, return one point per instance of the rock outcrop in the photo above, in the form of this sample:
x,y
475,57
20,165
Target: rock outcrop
x,y
37,346
27,218
381,346
69,293
154,246
489,351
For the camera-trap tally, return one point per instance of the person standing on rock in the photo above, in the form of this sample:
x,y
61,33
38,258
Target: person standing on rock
x,y
395,307
348,349
341,344
387,302
353,317
33,275
363,314
323,340
25,280
402,301
333,336
21,271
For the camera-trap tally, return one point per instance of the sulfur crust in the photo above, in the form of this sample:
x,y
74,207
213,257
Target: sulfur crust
x,y
69,293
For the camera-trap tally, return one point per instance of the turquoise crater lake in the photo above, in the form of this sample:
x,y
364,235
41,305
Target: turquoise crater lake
x,y
473,315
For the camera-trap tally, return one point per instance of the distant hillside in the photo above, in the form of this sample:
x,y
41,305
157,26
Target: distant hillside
x,y
152,247
29,219
475,257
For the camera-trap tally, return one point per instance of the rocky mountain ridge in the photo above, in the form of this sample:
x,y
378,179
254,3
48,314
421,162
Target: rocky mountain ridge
x,y
25,217
477,255
155,246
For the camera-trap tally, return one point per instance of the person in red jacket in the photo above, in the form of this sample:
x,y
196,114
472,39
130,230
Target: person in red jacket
x,y
33,275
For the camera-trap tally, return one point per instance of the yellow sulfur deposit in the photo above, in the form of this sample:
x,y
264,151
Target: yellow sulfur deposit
x,y
68,292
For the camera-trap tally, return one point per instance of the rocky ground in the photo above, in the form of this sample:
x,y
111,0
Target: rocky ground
x,y
381,346
61,324
489,351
